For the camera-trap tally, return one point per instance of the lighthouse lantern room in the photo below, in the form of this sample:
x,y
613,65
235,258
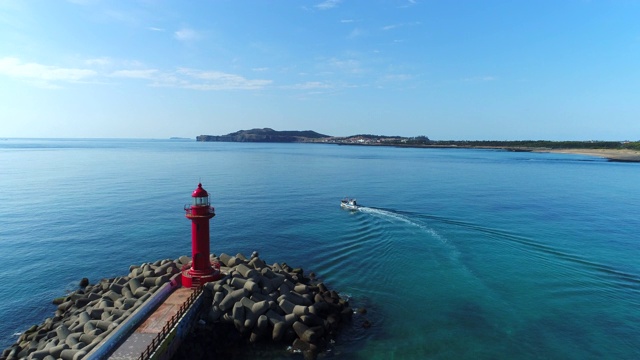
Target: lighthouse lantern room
x,y
200,270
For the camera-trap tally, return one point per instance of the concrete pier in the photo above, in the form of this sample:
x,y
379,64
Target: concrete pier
x,y
162,332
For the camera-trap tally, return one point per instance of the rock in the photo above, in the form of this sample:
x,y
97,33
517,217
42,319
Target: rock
x,y
81,303
346,314
59,300
296,299
134,284
84,282
256,263
238,282
307,334
312,320
238,316
38,354
225,259
279,329
259,299
141,292
246,271
62,332
303,346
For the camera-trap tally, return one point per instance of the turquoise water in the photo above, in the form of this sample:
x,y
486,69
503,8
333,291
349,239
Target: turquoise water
x,y
457,254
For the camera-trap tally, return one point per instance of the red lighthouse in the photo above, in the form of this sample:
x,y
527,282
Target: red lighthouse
x,y
199,213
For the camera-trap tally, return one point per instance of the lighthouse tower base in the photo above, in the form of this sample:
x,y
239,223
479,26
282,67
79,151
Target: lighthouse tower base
x,y
194,278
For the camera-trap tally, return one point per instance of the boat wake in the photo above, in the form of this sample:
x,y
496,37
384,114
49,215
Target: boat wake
x,y
606,275
403,218
611,274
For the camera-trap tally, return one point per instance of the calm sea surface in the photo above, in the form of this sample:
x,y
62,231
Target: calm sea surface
x,y
458,254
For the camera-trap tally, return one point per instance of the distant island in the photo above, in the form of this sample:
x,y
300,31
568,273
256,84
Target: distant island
x,y
266,135
309,136
626,151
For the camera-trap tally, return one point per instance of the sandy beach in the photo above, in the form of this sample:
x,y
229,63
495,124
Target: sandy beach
x,y
610,154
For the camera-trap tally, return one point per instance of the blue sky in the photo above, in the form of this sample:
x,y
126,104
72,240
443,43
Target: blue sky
x,y
464,70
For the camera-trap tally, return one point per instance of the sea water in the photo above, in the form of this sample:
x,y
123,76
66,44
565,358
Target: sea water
x,y
455,254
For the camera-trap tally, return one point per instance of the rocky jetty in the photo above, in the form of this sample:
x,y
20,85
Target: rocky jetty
x,y
275,303
88,315
261,302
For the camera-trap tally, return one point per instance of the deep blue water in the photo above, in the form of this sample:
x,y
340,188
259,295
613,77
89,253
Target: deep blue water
x,y
458,254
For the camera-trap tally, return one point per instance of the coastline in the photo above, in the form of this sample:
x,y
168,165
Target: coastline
x,y
616,151
618,155
614,155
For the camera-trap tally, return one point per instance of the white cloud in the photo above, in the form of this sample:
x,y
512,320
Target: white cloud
x,y
355,33
98,61
327,4
155,29
348,65
186,34
187,78
397,77
44,74
136,74
216,80
309,85
409,4
395,26
51,77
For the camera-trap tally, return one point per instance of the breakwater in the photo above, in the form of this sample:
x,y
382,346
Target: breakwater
x,y
276,303
87,316
262,302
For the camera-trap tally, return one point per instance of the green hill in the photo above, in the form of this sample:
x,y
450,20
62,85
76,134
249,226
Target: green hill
x,y
265,135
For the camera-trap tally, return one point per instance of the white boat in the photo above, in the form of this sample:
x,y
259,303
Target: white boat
x,y
349,204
